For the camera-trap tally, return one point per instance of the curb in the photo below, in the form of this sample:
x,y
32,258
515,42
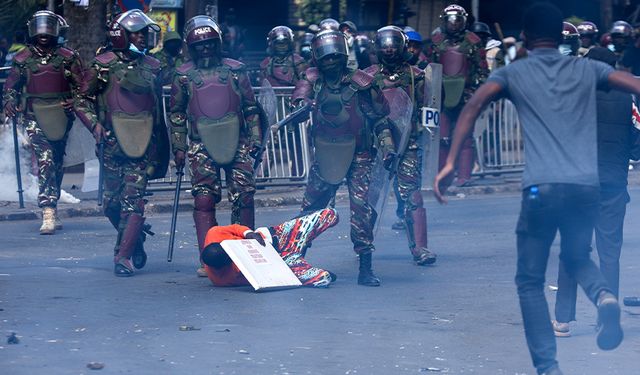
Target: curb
x,y
90,209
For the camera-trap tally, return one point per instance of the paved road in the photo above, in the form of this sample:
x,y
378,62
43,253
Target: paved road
x,y
459,317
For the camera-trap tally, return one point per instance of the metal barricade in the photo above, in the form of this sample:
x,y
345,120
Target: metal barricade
x,y
498,139
286,159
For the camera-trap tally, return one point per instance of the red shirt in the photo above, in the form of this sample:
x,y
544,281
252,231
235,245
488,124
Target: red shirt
x,y
229,275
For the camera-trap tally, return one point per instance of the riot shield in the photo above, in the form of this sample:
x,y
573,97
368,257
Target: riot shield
x,y
81,146
268,104
401,109
430,121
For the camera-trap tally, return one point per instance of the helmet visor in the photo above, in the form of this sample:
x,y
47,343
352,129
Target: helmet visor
x,y
134,21
329,44
389,40
44,25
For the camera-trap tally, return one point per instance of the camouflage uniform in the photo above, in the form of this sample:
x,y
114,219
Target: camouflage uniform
x,y
103,95
230,79
462,57
367,112
285,72
169,63
50,76
409,174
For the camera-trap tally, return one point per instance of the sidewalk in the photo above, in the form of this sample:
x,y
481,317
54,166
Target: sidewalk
x,y
276,196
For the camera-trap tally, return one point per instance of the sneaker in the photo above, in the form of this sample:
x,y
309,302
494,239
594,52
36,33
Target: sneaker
x,y
610,333
398,225
561,329
201,272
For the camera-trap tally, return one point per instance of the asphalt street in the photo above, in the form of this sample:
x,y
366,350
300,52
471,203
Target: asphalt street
x,y
461,316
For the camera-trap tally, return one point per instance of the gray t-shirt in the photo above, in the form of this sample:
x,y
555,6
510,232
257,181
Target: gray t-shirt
x,y
555,97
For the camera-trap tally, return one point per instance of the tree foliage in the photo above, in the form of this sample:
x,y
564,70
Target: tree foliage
x,y
314,11
15,14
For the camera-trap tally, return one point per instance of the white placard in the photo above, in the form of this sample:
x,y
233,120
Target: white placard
x,y
261,265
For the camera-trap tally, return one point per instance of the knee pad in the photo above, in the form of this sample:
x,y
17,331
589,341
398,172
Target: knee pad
x,y
204,203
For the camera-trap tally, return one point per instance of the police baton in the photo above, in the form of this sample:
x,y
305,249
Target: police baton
x,y
100,171
17,157
174,214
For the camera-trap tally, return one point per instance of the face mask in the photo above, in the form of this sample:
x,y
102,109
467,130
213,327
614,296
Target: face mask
x,y
511,52
135,49
611,47
565,49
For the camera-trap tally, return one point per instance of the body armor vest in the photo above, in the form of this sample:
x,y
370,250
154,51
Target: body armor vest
x,y
131,116
46,86
215,113
339,130
282,73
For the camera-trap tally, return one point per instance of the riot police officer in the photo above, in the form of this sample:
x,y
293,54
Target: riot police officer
x,y
283,66
214,94
120,104
349,112
570,40
588,37
41,84
392,73
464,67
170,56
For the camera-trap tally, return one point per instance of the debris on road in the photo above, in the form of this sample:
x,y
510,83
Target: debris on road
x,y
188,328
95,365
12,339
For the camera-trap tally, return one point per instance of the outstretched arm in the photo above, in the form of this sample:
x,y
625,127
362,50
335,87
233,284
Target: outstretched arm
x,y
624,81
480,99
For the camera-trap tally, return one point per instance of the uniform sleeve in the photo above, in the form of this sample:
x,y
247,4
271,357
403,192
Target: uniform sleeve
x,y
13,85
376,107
178,112
86,97
303,92
480,66
76,73
250,107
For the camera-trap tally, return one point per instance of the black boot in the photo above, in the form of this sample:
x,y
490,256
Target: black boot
x,y
139,257
366,276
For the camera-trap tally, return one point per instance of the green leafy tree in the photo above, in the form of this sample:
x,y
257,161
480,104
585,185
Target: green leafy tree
x,y
15,14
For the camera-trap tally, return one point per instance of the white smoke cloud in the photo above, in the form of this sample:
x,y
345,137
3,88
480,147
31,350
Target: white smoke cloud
x,y
9,185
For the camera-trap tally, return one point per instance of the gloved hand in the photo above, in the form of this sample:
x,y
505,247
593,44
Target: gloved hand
x,y
256,148
389,159
11,110
98,133
255,236
178,158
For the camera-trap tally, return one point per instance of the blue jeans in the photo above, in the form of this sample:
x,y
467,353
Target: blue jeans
x,y
572,210
608,230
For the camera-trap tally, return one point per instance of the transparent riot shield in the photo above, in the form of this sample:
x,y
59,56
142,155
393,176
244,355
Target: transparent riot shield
x,y
401,108
81,146
268,102
430,121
